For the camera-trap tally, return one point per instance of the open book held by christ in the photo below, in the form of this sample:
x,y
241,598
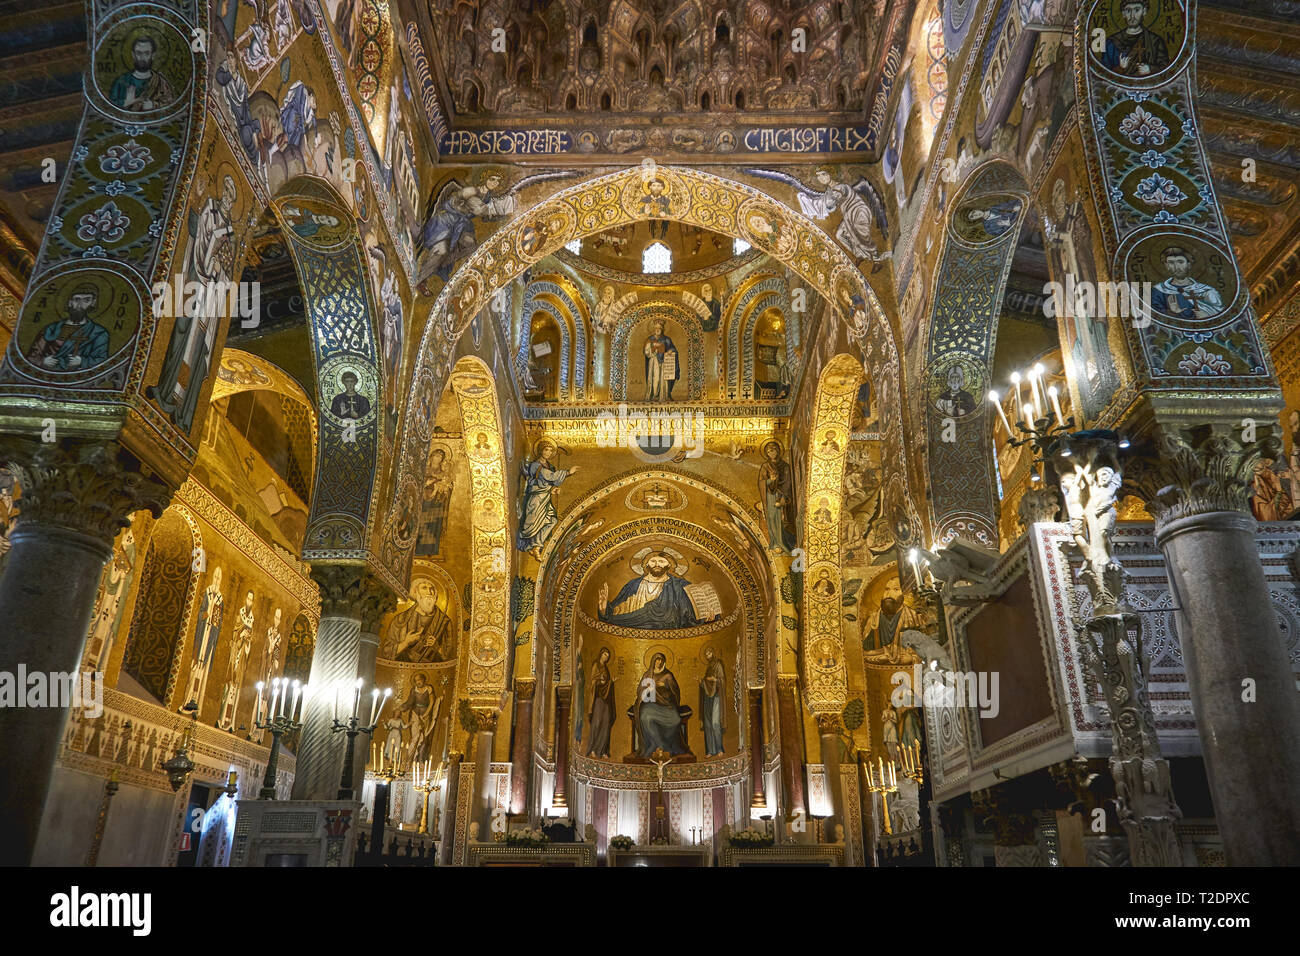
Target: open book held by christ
x,y
704,598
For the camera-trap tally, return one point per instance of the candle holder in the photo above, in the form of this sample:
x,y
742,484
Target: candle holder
x,y
913,769
882,778
352,727
279,720
426,780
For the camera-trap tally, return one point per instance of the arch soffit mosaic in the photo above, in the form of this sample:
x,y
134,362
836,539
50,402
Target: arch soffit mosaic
x,y
966,297
826,677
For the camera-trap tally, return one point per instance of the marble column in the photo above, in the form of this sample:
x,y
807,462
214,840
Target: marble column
x,y
757,750
447,819
560,798
486,719
787,689
828,727
377,602
521,746
76,496
349,596
1197,486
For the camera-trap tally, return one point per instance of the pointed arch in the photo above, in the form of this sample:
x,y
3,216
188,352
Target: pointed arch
x,y
613,199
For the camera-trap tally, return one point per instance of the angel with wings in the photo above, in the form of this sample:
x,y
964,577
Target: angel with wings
x,y
448,234
859,205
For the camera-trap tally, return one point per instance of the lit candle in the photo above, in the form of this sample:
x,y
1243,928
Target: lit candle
x,y
1036,397
1015,380
275,695
997,403
257,710
374,706
356,704
388,692
336,703
297,694
1056,405
913,556
1028,411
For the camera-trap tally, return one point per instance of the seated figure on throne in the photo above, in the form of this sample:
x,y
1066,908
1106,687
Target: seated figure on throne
x,y
656,714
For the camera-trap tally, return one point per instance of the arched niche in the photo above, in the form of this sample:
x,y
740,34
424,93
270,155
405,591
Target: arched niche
x,y
164,609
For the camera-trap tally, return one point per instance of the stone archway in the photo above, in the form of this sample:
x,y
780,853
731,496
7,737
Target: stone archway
x,y
697,198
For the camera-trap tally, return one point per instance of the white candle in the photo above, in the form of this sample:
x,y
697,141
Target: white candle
x,y
1028,411
388,692
997,403
336,703
275,695
1015,380
356,704
913,557
1056,405
257,710
374,705
296,710
1034,386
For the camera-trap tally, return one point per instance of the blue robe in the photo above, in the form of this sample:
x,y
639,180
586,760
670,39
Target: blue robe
x,y
671,609
659,721
537,516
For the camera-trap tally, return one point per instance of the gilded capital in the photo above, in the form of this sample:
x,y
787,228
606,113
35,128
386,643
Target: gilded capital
x,y
788,683
827,723
1198,470
486,718
88,487
525,688
349,590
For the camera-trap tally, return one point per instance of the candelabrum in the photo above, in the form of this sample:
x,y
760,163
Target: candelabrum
x,y
882,778
913,769
352,727
427,779
1043,427
280,718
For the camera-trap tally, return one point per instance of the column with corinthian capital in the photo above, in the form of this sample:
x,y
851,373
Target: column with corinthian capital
x,y
350,596
828,728
1197,485
76,496
485,719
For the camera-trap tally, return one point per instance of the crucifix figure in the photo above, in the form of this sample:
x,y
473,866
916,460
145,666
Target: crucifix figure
x,y
660,758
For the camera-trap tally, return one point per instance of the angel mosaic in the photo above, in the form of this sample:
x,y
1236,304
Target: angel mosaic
x,y
859,206
448,234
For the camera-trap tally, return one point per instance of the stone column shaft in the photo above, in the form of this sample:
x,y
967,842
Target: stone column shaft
x,y
828,728
75,498
521,750
787,686
333,666
351,603
563,696
484,793
757,747
1229,635
1197,483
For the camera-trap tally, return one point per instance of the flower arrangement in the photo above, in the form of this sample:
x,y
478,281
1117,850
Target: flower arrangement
x,y
751,837
622,842
527,836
